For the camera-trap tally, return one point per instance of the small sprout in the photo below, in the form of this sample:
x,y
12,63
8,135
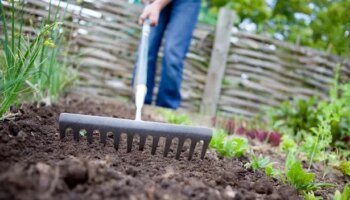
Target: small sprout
x,y
234,147
82,132
228,146
301,180
288,144
175,118
345,195
270,171
311,196
344,166
258,162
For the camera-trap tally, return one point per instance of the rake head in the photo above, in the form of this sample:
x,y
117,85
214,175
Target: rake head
x,y
131,128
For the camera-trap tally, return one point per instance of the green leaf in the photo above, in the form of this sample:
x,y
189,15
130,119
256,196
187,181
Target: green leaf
x,y
259,162
344,166
297,177
301,180
345,195
311,196
270,171
228,146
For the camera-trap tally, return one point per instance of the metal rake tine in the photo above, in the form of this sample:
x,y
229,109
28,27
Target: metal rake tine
x,y
142,142
62,131
130,138
193,146
205,147
76,135
179,148
77,122
103,137
154,144
167,146
89,134
116,138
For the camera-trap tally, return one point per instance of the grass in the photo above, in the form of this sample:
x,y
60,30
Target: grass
x,y
31,66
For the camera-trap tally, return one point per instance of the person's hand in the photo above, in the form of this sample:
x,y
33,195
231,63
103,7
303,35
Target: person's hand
x,y
152,12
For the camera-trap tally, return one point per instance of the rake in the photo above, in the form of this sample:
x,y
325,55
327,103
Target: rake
x,y
104,125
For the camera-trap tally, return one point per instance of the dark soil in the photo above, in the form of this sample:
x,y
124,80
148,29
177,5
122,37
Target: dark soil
x,y
36,164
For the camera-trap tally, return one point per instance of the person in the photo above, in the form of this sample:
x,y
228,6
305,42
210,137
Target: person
x,y
174,20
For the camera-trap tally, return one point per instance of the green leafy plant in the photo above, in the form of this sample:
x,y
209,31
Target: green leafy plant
x,y
258,162
54,75
228,146
344,166
345,195
218,138
301,180
288,145
327,121
20,58
313,148
82,133
311,196
32,69
299,115
270,171
175,118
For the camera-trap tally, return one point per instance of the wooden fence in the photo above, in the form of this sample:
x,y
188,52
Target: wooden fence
x,y
252,71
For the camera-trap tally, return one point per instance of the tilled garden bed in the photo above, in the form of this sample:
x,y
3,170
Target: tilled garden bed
x,y
36,164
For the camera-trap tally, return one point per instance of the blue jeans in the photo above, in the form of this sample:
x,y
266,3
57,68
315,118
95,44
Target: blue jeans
x,y
177,21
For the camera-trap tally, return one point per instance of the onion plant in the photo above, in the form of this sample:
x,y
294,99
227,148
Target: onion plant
x,y
53,76
30,65
20,57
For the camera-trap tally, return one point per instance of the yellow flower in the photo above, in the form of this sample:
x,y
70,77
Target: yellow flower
x,y
48,42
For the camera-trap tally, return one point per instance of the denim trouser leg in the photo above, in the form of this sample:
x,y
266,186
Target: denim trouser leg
x,y
182,21
155,41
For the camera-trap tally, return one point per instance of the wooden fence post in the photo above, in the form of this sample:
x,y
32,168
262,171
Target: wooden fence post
x,y
217,61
